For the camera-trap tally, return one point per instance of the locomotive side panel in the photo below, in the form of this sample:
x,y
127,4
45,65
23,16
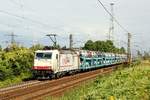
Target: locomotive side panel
x,y
68,61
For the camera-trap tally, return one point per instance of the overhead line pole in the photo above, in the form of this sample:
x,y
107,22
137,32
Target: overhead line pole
x,y
70,42
12,35
129,48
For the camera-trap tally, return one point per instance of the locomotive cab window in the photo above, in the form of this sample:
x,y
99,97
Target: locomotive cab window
x,y
47,55
43,55
39,55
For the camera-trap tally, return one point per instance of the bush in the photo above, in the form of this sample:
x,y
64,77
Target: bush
x,y
15,63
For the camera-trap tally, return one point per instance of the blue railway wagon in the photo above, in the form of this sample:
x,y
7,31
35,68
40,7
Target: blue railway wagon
x,y
91,59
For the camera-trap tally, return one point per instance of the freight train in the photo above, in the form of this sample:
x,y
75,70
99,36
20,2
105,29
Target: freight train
x,y
56,63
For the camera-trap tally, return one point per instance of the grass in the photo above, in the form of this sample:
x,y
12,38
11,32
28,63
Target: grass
x,y
132,83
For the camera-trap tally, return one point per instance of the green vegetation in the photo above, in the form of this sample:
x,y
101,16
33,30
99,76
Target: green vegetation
x,y
14,79
144,56
16,63
131,83
0,48
103,46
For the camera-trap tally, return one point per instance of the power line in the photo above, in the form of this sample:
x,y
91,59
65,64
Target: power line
x,y
112,16
13,26
26,18
14,2
21,5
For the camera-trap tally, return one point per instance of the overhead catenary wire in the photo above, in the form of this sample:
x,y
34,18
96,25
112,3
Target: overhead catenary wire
x,y
14,2
21,5
35,21
112,16
26,18
14,26
123,28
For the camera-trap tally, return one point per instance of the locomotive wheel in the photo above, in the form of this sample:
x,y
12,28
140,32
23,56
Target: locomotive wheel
x,y
52,76
57,75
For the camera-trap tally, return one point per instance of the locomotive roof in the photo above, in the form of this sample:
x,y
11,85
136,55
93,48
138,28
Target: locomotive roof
x,y
70,51
61,51
45,50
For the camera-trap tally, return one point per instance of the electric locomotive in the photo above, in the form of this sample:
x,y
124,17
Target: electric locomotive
x,y
56,63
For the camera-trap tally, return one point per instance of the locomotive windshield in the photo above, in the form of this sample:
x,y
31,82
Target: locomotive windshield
x,y
43,55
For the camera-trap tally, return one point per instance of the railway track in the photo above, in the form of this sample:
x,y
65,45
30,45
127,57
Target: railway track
x,y
19,85
41,89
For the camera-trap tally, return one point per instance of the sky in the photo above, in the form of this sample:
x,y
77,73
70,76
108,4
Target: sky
x,y
31,20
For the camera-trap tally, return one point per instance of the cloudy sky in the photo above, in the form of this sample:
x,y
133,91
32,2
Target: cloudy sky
x,y
31,20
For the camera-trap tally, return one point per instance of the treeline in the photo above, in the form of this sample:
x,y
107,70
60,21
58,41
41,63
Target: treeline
x,y
144,56
103,46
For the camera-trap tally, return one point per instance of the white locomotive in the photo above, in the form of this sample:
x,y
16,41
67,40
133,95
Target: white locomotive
x,y
55,63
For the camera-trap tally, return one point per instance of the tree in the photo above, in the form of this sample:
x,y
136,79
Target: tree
x,y
0,48
110,46
139,54
98,46
89,45
122,50
57,46
103,46
146,55
37,47
13,47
